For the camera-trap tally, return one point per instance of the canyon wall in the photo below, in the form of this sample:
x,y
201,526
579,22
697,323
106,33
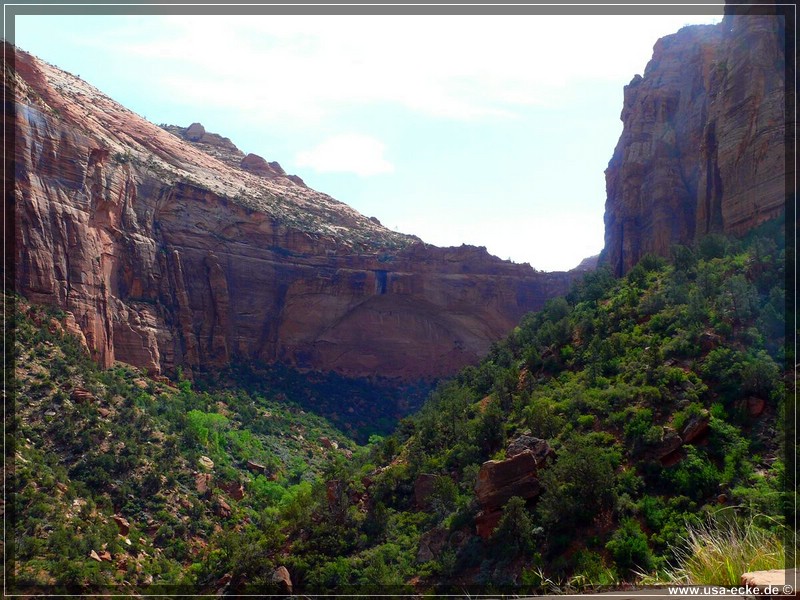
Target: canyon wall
x,y
703,147
174,248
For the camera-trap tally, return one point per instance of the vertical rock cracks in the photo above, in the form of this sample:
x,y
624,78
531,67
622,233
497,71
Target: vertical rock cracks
x,y
703,142
168,252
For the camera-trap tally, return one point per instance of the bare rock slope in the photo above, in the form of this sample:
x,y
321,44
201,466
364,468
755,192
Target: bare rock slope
x,y
703,142
174,248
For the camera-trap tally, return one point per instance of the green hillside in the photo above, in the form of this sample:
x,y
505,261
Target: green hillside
x,y
661,397
193,474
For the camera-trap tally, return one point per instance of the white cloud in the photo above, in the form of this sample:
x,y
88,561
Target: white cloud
x,y
347,153
306,67
294,75
548,242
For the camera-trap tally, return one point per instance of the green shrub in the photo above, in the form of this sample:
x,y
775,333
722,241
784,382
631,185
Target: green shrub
x,y
628,546
683,416
541,418
579,485
712,246
695,476
515,533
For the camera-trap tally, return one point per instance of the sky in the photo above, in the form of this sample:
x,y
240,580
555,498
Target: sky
x,y
480,129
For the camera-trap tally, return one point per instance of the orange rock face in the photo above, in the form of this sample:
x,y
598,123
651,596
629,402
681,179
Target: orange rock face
x,y
499,480
703,142
167,252
518,475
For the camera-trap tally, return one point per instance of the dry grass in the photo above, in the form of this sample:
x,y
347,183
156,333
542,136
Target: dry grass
x,y
719,551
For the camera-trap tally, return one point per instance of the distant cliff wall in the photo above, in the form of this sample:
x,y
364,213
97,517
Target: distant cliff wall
x,y
167,253
703,142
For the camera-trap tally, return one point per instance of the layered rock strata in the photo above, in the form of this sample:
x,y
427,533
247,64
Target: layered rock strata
x,y
703,147
180,250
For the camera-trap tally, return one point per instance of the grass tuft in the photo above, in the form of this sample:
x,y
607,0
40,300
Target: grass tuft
x,y
720,551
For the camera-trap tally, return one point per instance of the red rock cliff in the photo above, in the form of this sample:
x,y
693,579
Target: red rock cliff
x,y
703,142
179,250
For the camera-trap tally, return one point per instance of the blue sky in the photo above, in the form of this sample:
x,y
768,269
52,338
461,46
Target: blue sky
x,y
486,130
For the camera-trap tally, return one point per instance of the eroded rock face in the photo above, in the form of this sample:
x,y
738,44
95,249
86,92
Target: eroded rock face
x,y
702,148
431,544
234,489
256,467
696,427
122,524
500,480
168,253
664,450
540,449
221,508
282,579
258,165
486,522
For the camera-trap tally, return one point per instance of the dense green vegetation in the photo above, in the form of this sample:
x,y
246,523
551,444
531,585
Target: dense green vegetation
x,y
661,393
89,444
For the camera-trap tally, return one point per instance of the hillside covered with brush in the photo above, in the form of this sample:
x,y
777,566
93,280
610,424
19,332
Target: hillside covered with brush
x,y
576,454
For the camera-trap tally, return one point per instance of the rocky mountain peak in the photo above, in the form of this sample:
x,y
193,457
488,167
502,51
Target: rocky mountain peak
x,y
170,246
226,151
195,132
703,142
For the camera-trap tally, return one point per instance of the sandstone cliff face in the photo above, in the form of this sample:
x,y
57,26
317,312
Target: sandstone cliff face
x,y
517,475
179,250
703,142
